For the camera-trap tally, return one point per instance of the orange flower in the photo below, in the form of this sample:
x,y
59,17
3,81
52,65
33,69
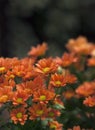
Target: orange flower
x,y
28,68
24,70
39,50
86,89
59,102
68,59
38,111
53,113
19,70
5,94
19,115
89,101
69,94
76,128
70,78
55,125
57,80
91,62
58,60
5,82
80,45
19,97
28,87
7,63
31,86
46,66
43,95
9,75
39,82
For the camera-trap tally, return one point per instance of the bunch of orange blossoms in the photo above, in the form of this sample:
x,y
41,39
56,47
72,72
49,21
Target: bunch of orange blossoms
x,y
49,93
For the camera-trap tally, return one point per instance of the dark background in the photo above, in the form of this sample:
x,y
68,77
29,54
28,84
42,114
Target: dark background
x,y
25,23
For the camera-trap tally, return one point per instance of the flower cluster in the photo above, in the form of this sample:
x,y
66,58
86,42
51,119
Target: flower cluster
x,y
46,93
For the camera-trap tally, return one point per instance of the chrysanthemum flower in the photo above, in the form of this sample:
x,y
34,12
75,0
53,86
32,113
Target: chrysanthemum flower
x,y
55,125
68,59
78,128
70,78
38,51
89,101
7,63
5,94
46,66
19,115
57,80
69,94
80,45
86,89
91,62
75,128
53,113
43,95
20,97
38,111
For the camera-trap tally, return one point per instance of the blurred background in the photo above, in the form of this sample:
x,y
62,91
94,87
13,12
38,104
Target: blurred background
x,y
26,23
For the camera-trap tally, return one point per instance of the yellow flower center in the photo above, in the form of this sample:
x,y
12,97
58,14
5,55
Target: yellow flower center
x,y
11,76
42,97
19,115
46,69
39,112
58,83
52,126
2,69
19,100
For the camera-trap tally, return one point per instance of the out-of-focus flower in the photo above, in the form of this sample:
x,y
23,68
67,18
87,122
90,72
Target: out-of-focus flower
x,y
80,45
55,125
68,59
53,113
75,128
70,78
69,94
91,62
89,101
86,89
38,51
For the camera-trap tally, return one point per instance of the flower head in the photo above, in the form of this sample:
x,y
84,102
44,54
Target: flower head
x,y
20,97
86,89
46,66
39,50
80,45
19,115
43,95
55,125
57,80
38,111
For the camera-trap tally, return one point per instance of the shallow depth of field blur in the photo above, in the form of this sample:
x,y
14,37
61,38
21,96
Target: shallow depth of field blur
x,y
25,23
47,64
